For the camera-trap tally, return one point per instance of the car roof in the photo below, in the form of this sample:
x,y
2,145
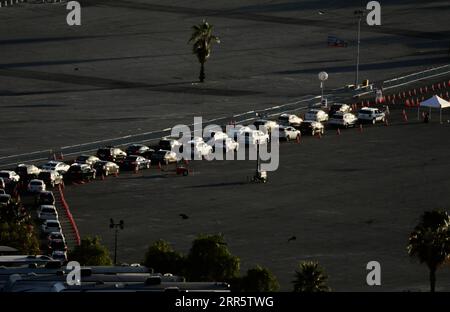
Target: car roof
x,y
369,108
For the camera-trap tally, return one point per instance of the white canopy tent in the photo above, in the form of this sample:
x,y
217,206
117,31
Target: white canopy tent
x,y
435,102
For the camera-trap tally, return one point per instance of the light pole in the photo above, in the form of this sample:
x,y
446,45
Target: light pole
x,y
116,227
322,77
359,14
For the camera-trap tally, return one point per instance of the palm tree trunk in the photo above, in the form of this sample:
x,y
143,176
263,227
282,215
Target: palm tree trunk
x,y
202,72
432,279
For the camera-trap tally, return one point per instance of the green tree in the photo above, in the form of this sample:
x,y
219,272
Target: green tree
x,y
430,242
90,252
202,39
310,277
259,279
210,260
19,235
163,259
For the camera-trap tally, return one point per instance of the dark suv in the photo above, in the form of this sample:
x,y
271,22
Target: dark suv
x,y
110,153
80,172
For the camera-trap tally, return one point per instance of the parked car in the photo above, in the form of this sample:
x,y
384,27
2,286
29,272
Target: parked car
x,y
55,245
169,143
51,226
87,159
136,162
57,166
371,114
51,178
45,198
5,199
56,236
213,132
226,145
316,115
106,168
36,186
197,149
345,120
60,255
312,127
289,120
110,153
339,107
163,157
288,133
136,149
148,153
47,212
265,125
247,136
27,172
9,176
80,172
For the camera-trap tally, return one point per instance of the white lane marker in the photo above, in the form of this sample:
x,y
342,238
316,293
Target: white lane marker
x,y
141,134
25,154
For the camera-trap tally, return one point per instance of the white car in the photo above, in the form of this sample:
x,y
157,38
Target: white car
x,y
197,148
212,132
169,144
290,120
54,165
247,136
226,145
214,136
9,176
27,170
316,115
288,133
345,120
47,212
371,114
51,226
36,186
339,107
265,125
87,159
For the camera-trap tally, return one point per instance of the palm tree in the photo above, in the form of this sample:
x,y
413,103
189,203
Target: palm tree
x,y
310,277
430,242
202,38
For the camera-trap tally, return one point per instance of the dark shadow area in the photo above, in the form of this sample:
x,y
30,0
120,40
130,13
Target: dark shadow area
x,y
120,84
368,67
218,184
238,14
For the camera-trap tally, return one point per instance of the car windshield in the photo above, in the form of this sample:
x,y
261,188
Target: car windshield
x,y
4,174
48,210
36,183
338,117
365,111
82,158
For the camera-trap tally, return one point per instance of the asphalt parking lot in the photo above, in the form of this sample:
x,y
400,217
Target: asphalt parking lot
x,y
348,199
